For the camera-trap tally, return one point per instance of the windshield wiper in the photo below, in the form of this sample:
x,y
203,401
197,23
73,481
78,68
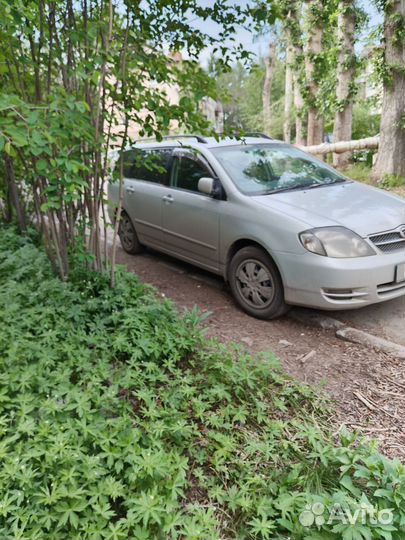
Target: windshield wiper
x,y
323,184
337,181
306,186
292,188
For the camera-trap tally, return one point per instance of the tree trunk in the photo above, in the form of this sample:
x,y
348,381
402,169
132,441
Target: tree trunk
x,y
288,96
391,154
369,143
6,206
300,137
315,127
313,49
342,130
293,33
123,68
269,63
14,193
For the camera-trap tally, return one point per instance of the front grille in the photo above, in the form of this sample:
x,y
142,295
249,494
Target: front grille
x,y
389,242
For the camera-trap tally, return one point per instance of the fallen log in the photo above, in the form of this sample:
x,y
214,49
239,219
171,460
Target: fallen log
x,y
368,143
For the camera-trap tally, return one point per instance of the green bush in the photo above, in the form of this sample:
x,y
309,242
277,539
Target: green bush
x,y
121,420
359,171
366,121
393,181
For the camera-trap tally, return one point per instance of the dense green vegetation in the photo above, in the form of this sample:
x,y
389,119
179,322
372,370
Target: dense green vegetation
x,y
119,419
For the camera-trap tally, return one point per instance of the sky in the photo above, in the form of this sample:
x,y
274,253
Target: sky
x,y
258,44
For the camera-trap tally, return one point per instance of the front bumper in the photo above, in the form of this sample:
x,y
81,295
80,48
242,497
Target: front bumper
x,y
323,282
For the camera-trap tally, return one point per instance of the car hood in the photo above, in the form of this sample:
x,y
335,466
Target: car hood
x,y
363,209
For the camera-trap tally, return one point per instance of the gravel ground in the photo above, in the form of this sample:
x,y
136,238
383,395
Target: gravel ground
x,y
367,387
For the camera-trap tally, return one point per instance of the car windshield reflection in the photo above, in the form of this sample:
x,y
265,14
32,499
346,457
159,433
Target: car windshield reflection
x,y
265,169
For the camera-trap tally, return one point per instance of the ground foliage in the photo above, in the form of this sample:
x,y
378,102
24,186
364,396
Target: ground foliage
x,y
119,419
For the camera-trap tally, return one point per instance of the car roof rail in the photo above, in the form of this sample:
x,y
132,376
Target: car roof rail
x,y
258,134
199,138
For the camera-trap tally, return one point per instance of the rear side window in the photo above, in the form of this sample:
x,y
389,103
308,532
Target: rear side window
x,y
148,165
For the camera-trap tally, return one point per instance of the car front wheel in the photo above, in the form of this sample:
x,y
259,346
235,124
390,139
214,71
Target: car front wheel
x,y
256,284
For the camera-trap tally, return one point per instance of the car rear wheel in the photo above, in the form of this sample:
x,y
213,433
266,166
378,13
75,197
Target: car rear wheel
x,y
256,283
128,237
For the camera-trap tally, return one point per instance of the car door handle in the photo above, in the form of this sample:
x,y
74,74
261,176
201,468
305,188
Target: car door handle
x,y
130,190
168,199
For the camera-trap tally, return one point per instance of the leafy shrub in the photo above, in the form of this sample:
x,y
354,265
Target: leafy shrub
x,y
366,120
359,171
119,420
392,181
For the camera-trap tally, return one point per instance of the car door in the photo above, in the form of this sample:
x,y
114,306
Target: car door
x,y
146,178
190,218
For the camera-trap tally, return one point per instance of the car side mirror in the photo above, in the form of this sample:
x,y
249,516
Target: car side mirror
x,y
206,185
212,187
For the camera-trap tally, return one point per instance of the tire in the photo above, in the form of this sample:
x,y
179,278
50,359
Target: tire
x,y
256,284
128,237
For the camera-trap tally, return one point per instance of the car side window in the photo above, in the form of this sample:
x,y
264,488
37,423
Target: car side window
x,y
128,158
187,172
148,165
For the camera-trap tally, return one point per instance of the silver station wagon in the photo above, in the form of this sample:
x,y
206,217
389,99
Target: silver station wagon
x,y
282,227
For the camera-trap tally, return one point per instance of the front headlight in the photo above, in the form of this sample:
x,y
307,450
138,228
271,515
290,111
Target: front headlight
x,y
335,242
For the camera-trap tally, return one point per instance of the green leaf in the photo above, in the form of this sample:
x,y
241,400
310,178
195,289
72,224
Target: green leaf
x,y
9,149
17,135
347,482
42,165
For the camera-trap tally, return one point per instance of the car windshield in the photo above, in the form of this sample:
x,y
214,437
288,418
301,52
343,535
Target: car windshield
x,y
264,169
